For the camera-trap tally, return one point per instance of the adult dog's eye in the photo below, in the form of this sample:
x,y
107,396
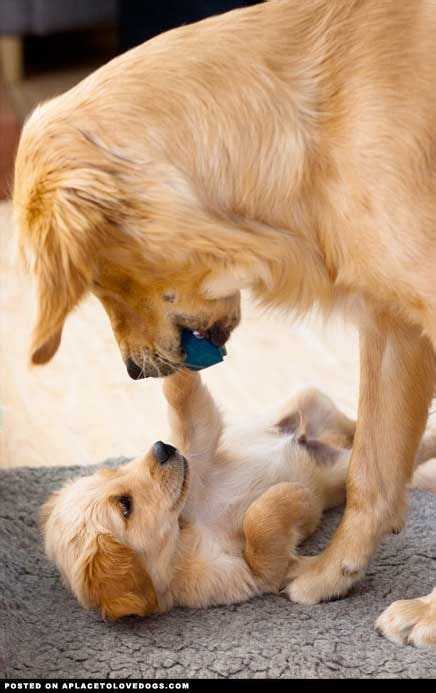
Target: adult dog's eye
x,y
125,505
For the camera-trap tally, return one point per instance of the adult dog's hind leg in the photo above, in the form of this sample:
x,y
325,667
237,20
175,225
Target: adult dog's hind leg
x,y
397,376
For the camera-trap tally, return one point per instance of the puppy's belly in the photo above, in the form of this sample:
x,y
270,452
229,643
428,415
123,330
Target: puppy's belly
x,y
233,486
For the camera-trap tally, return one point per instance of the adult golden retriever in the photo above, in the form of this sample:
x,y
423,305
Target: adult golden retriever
x,y
289,148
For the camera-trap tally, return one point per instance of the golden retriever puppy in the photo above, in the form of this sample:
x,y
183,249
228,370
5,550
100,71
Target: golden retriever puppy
x,y
288,148
215,521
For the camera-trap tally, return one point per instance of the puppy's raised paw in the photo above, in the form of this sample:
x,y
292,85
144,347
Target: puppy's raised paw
x,y
410,622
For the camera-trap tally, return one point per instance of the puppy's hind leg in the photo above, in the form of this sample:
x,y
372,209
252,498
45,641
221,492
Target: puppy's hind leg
x,y
312,415
326,434
274,524
427,448
424,477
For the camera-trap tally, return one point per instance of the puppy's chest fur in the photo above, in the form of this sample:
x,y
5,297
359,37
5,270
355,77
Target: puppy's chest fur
x,y
211,568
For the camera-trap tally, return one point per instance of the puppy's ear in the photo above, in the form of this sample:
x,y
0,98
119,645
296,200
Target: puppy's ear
x,y
116,582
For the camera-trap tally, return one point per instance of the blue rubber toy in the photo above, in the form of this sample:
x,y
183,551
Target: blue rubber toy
x,y
200,353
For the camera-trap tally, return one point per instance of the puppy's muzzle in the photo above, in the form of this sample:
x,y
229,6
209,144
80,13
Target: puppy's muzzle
x,y
163,452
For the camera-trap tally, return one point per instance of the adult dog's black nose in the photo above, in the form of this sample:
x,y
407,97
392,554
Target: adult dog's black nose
x,y
135,372
219,333
163,451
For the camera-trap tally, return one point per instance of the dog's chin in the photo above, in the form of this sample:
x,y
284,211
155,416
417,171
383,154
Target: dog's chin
x,y
160,370
160,365
151,369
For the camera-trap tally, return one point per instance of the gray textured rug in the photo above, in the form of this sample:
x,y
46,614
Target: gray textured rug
x,y
46,634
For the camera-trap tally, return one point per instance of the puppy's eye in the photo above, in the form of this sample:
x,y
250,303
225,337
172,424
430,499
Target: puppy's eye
x,y
125,505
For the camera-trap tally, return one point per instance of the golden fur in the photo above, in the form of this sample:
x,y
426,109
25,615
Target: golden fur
x,y
216,524
289,148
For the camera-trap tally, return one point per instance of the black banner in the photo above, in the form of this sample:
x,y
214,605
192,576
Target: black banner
x,y
125,685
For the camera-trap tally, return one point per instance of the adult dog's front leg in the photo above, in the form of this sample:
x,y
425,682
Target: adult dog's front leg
x,y
397,376
410,621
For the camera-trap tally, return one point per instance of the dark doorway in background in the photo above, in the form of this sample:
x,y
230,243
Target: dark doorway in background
x,y
142,19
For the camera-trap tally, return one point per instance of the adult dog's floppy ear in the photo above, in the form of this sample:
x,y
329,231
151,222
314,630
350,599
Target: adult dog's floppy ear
x,y
60,286
63,220
115,582
60,289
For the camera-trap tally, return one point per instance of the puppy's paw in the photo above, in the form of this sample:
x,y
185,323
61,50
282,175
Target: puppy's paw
x,y
318,579
410,622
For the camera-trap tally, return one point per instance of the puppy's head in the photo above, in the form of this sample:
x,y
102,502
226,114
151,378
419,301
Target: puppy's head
x,y
113,535
91,220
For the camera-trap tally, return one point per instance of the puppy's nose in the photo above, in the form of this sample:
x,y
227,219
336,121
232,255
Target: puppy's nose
x,y
135,372
163,451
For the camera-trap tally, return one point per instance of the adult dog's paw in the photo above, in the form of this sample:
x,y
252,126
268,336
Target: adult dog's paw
x,y
318,579
410,622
